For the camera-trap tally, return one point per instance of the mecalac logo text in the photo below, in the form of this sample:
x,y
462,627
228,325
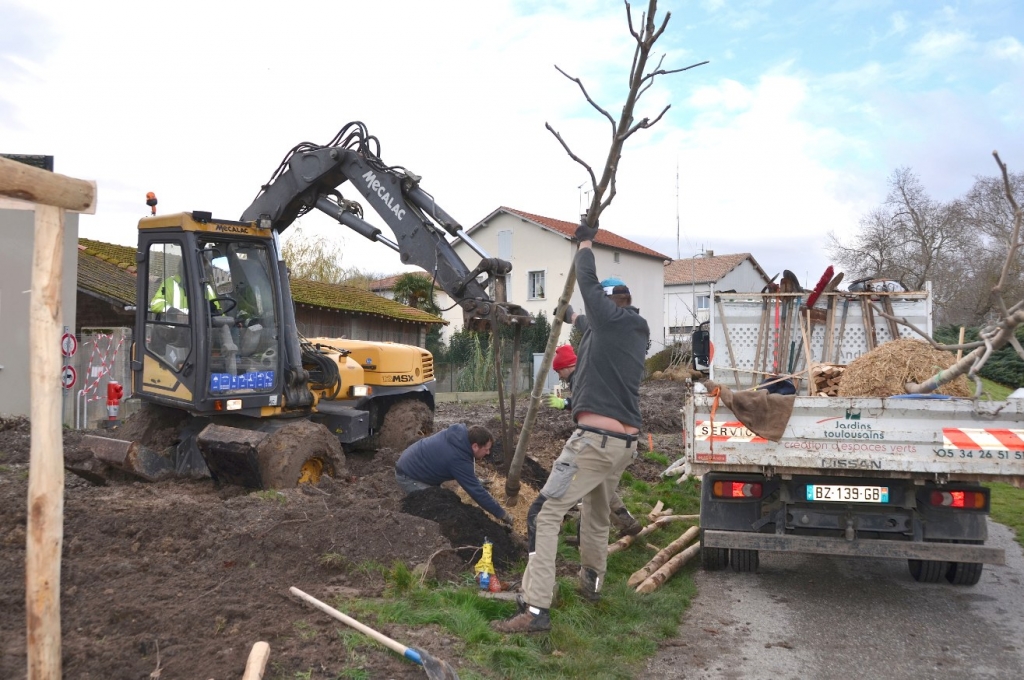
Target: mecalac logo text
x,y
374,185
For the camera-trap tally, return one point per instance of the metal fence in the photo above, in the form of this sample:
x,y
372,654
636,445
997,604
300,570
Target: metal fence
x,y
102,356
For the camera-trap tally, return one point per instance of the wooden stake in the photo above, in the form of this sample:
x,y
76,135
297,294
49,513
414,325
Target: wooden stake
x,y
655,511
257,662
960,352
643,573
627,541
672,566
807,350
45,534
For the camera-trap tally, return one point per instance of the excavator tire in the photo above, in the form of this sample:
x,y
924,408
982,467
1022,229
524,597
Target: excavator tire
x,y
299,453
405,422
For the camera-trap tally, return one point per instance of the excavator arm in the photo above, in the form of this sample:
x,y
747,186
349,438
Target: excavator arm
x,y
309,178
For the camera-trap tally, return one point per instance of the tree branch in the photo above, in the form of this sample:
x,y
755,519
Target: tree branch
x,y
587,95
593,178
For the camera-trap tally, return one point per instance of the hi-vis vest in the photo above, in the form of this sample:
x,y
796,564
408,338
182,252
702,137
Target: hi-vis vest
x,y
171,295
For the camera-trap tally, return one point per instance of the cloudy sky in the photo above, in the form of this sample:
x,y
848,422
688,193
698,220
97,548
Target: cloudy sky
x,y
791,130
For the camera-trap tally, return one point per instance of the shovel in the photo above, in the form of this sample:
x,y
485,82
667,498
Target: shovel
x,y
435,668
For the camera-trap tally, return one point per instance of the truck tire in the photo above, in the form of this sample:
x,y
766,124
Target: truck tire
x,y
744,560
713,559
964,573
405,422
927,571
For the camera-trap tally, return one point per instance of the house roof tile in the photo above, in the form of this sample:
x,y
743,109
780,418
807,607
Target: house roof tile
x,y
604,237
105,279
706,269
388,282
356,300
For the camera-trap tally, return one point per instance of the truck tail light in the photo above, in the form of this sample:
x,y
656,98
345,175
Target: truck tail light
x,y
727,488
956,498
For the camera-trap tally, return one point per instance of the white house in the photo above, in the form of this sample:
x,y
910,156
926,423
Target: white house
x,y
690,286
541,251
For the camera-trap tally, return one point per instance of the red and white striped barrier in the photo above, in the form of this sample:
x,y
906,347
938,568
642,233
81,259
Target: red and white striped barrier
x,y
96,371
983,439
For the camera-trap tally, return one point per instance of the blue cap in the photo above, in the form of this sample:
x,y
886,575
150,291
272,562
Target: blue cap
x,y
610,284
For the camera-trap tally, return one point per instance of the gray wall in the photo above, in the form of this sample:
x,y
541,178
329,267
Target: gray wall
x,y
17,224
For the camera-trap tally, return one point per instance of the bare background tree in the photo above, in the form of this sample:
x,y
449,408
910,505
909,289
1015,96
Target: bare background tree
x,y
959,246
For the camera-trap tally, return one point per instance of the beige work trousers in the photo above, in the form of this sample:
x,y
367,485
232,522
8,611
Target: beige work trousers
x,y
589,467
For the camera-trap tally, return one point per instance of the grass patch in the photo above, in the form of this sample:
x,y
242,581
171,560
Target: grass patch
x,y
1008,507
271,495
998,392
305,630
655,457
335,561
610,640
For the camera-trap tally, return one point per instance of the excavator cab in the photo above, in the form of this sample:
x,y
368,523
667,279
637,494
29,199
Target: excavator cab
x,y
208,316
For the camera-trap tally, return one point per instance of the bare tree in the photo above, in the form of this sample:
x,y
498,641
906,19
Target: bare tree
x,y
315,258
1009,309
910,238
641,78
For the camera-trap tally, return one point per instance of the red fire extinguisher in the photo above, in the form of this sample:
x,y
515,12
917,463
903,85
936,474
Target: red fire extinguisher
x,y
114,394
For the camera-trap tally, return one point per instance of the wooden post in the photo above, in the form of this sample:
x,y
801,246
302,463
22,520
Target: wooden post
x,y
256,664
643,573
45,535
960,352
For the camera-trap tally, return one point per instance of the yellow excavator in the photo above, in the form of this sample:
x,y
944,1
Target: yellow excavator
x,y
216,336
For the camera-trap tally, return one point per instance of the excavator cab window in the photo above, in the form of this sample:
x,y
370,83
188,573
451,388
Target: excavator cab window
x,y
242,318
168,333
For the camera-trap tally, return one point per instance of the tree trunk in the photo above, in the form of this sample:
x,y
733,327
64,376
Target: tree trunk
x,y
627,541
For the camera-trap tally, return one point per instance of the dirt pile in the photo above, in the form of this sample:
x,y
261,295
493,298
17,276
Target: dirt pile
x,y
204,572
885,370
465,525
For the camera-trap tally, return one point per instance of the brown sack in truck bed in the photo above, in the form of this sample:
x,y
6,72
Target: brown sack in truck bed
x,y
764,414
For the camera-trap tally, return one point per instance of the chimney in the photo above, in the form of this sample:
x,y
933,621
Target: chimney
x,y
709,253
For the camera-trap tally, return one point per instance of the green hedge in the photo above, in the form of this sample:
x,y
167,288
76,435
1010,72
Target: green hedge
x,y
1004,366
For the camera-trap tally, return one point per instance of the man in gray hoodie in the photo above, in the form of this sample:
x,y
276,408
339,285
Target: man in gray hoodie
x,y
447,455
606,408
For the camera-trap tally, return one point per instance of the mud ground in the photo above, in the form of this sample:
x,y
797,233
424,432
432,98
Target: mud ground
x,y
182,577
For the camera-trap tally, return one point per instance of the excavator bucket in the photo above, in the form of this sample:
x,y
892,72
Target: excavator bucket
x,y
232,454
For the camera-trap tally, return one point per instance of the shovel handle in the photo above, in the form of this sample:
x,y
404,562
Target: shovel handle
x,y
393,645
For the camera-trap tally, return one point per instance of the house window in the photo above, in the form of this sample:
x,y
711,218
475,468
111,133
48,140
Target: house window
x,y
615,257
505,244
703,302
675,330
535,285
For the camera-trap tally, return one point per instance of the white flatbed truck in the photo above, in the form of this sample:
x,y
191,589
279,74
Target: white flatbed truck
x,y
898,477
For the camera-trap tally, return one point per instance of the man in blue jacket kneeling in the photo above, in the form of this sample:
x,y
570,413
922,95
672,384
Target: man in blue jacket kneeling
x,y
447,455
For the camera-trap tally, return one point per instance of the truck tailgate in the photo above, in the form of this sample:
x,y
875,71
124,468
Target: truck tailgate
x,y
948,438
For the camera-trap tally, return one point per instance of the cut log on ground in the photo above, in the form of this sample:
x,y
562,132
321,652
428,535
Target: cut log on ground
x,y
642,574
672,566
655,511
627,541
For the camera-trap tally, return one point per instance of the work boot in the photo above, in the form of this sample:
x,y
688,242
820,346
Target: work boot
x,y
625,523
528,620
589,585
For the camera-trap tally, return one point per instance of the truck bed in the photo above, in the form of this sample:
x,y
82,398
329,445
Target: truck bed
x,y
943,439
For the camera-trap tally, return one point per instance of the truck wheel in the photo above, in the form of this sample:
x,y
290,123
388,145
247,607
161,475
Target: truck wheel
x,y
713,559
927,571
405,422
964,573
744,560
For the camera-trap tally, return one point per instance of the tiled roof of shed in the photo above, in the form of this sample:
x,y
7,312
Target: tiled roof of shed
x,y
108,270
705,269
357,301
604,237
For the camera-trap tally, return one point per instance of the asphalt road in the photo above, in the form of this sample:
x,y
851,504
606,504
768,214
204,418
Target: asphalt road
x,y
809,616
